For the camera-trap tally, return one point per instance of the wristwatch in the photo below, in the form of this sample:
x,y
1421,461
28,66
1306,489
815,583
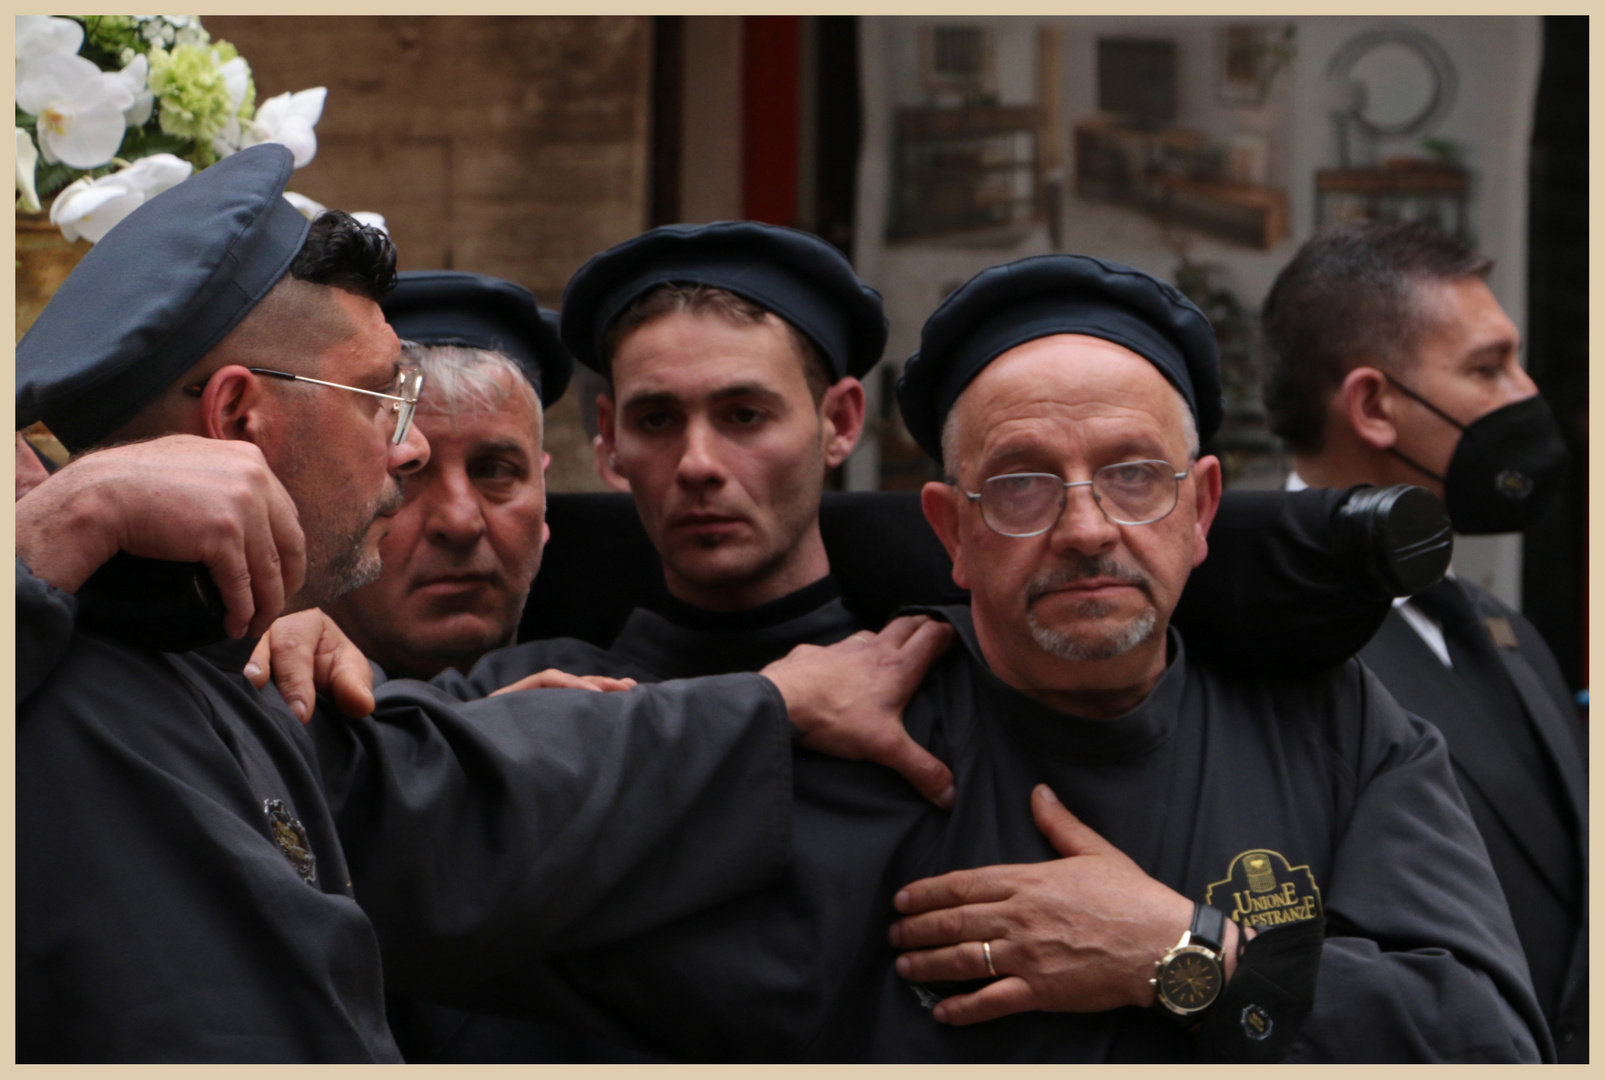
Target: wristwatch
x,y
1189,977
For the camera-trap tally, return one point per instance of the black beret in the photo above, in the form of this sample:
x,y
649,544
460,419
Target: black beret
x,y
794,274
158,292
450,307
1021,301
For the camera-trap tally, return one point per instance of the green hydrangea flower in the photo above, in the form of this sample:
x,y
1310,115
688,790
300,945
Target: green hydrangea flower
x,y
194,101
111,34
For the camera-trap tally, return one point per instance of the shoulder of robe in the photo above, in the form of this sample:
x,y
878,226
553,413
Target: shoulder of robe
x,y
110,692
1356,719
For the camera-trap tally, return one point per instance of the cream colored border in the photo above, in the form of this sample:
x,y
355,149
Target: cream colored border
x,y
1596,605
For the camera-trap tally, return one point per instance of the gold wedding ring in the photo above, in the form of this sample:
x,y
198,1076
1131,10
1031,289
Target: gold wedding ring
x,y
986,950
862,636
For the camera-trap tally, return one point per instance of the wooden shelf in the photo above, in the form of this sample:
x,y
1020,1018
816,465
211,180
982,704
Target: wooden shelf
x,y
1252,214
973,122
1424,192
1128,166
1390,181
960,170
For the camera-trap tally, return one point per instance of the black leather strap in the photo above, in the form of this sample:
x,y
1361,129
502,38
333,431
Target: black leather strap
x,y
1209,928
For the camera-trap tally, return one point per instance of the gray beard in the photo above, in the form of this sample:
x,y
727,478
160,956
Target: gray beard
x,y
1056,644
345,562
1135,633
351,568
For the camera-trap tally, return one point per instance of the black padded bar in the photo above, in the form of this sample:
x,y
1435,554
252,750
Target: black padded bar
x,y
1280,594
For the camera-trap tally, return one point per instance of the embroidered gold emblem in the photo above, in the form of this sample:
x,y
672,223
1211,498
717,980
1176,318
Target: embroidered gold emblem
x,y
1261,889
291,837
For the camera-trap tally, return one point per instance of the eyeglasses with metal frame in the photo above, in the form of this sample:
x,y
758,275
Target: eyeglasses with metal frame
x,y
1022,505
408,387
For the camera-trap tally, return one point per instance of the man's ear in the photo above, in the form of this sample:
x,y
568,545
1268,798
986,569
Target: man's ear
x,y
546,526
604,421
941,505
842,413
1206,501
1364,403
603,446
234,406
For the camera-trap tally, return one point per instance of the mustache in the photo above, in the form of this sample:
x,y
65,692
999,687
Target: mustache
x,y
1083,568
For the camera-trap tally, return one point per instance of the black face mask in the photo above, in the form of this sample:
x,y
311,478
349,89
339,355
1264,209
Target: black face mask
x,y
1506,470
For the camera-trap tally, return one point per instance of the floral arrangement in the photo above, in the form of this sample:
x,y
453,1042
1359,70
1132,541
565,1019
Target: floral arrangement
x,y
114,109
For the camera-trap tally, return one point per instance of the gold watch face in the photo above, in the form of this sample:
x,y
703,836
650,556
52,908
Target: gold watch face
x,y
1190,981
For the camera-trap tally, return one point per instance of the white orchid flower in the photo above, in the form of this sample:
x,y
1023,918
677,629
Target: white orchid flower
x,y
155,174
27,160
310,208
289,119
39,36
368,217
136,77
90,208
80,109
236,80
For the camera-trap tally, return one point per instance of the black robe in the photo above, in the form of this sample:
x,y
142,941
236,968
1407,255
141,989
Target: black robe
x,y
674,641
1519,753
186,851
45,618
1348,801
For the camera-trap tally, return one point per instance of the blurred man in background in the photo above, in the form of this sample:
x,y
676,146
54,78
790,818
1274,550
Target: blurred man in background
x,y
1394,363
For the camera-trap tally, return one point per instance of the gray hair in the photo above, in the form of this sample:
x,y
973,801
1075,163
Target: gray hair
x,y
950,435
460,379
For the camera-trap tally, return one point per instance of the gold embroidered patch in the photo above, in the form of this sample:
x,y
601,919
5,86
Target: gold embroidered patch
x,y
1264,890
291,836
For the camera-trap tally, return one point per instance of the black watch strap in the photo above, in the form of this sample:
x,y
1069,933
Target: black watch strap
x,y
1209,928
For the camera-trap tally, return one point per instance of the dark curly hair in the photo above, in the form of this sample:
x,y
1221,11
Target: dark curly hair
x,y
342,252
1347,298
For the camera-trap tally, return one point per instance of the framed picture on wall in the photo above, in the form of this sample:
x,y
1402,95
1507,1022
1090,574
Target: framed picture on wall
x,y
1242,60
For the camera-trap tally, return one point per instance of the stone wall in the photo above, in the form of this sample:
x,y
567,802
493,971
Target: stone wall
x,y
513,146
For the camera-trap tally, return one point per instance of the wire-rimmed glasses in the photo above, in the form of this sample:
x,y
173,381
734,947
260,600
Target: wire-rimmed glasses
x,y
1128,492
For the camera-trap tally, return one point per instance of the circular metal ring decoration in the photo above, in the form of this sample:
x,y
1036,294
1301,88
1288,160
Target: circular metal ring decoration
x,y
1407,79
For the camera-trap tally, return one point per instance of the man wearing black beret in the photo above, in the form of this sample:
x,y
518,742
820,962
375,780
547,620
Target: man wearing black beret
x,y
732,353
1066,397
188,854
1237,871
462,551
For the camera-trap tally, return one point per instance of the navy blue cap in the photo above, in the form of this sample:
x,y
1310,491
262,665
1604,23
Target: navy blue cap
x,y
1009,305
158,292
450,307
794,274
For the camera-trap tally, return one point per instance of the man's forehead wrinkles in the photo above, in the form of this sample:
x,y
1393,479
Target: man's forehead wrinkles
x,y
1112,429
